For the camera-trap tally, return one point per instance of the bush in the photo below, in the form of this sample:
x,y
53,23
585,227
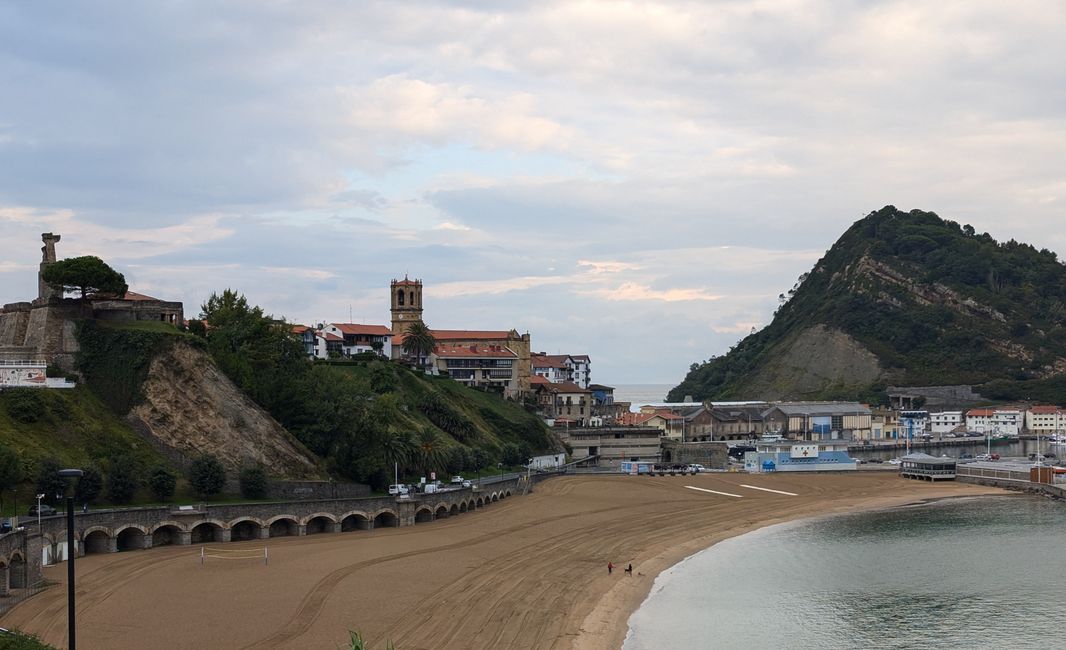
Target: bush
x,y
162,483
25,405
207,476
511,454
123,480
253,482
15,640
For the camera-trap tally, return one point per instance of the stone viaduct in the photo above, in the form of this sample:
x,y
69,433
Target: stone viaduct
x,y
23,552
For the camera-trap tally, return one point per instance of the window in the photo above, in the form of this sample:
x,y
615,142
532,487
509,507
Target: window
x,y
837,422
399,297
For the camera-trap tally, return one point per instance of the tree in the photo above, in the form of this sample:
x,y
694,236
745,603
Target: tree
x,y
398,449
87,274
10,470
253,482
511,454
49,482
207,476
162,483
89,486
418,341
197,328
431,450
479,459
123,480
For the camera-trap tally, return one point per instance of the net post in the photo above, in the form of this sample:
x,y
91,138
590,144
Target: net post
x,y
266,556
201,556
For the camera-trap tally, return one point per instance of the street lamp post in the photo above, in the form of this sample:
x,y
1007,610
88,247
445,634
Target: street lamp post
x,y
39,497
70,474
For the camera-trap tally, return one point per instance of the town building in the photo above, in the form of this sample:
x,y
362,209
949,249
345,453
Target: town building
x,y
406,309
29,374
913,422
979,420
563,402
1043,420
734,421
357,338
799,456
581,370
491,367
576,368
819,420
608,447
946,422
1007,421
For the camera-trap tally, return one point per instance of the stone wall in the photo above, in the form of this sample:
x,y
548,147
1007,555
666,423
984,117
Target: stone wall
x,y
712,455
947,398
291,490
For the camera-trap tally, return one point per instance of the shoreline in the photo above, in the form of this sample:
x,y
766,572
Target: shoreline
x,y
527,572
607,625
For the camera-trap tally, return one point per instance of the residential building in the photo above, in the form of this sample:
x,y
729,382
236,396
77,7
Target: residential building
x,y
979,420
481,366
581,370
358,338
1043,420
946,422
819,420
1007,421
555,368
308,338
671,424
913,422
563,401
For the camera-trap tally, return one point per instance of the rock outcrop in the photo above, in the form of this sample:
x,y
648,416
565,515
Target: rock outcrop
x,y
190,407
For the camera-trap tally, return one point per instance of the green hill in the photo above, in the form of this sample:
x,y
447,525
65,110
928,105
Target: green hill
x,y
905,298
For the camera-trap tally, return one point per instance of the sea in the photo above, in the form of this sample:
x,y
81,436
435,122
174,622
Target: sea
x,y
983,572
638,394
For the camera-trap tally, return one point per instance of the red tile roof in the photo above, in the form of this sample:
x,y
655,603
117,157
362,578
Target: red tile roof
x,y
357,328
549,360
634,419
471,351
1046,409
299,329
979,413
332,337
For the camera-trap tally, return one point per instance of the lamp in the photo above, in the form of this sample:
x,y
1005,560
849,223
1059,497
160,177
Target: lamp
x,y
69,475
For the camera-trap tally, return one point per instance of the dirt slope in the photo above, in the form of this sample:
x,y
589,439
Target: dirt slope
x,y
191,407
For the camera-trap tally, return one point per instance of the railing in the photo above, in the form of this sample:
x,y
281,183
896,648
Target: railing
x,y
23,363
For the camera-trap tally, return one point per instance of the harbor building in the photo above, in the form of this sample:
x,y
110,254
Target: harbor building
x,y
819,421
799,456
927,468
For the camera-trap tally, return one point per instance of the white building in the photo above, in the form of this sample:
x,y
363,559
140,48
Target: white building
x,y
913,422
979,420
945,421
1045,420
1007,422
29,374
581,370
558,368
359,338
483,366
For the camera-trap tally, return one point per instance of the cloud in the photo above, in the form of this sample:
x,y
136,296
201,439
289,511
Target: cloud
x,y
633,291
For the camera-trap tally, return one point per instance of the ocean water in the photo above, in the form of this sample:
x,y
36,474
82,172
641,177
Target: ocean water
x,y
640,394
986,572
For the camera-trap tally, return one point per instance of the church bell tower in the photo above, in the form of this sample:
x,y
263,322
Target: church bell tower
x,y
406,304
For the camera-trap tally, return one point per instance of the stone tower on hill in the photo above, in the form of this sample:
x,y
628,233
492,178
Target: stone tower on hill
x,y
406,304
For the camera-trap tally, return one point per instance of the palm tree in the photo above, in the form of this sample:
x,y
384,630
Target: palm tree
x,y
418,341
398,447
431,450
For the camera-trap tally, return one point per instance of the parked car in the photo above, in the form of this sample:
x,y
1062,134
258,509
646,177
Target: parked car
x,y
398,489
5,526
696,467
875,461
457,480
46,510
984,457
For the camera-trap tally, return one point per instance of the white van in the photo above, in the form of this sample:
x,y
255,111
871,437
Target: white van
x,y
398,489
695,467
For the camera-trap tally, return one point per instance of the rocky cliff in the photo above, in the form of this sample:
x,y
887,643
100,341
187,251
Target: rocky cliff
x,y
190,407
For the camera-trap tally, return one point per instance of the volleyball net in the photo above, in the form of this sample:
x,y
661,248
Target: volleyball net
x,y
234,554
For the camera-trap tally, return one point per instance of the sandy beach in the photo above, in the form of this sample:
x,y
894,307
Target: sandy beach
x,y
526,572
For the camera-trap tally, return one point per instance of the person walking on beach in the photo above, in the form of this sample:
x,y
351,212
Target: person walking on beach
x,y
629,569
610,567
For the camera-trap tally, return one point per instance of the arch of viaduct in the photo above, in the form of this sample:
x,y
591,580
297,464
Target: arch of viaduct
x,y
110,531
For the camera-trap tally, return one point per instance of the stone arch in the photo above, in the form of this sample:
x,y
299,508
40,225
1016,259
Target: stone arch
x,y
245,529
16,570
386,519
321,522
464,506
423,515
441,512
210,530
400,297
130,538
495,497
480,503
355,521
454,510
166,533
96,540
283,526
508,493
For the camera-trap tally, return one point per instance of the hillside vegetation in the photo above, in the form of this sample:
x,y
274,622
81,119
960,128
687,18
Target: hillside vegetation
x,y
367,416
905,298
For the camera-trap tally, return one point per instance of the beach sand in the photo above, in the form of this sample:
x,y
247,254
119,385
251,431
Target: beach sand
x,y
526,572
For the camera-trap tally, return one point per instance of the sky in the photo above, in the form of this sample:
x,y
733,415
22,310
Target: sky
x,y
633,181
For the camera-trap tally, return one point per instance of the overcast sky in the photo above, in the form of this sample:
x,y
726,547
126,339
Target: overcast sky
x,y
634,181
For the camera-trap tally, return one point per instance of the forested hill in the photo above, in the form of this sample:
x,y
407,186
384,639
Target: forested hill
x,y
905,298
